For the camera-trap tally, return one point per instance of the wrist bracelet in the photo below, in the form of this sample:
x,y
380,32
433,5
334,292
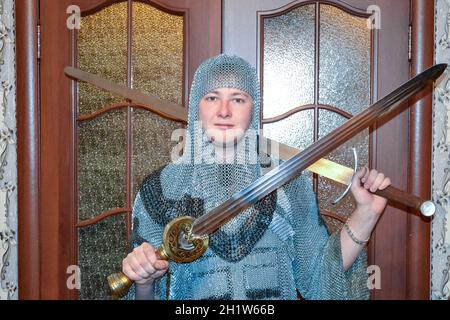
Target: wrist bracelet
x,y
352,236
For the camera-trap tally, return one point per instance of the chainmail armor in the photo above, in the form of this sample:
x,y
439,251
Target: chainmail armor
x,y
273,249
231,247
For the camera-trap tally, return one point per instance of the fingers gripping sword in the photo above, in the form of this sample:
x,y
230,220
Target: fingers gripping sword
x,y
343,174
195,232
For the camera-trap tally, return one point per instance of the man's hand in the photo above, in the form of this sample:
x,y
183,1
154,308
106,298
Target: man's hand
x,y
143,266
368,210
365,181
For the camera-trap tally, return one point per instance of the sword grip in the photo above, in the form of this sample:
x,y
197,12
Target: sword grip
x,y
175,236
426,208
119,283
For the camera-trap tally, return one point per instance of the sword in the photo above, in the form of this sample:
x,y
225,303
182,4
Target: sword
x,y
322,167
185,235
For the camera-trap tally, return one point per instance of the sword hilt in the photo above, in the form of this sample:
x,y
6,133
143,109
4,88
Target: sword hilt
x,y
119,283
426,208
178,245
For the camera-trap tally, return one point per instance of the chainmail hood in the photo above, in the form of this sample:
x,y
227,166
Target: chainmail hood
x,y
194,185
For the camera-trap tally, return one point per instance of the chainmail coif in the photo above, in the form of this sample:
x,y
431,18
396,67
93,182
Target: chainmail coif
x,y
272,249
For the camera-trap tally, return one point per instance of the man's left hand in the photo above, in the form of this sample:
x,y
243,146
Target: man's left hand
x,y
366,182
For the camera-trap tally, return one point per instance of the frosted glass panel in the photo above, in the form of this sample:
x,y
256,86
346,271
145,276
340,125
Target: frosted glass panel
x,y
295,131
158,52
158,44
101,164
288,61
151,146
328,121
101,248
344,82
345,46
328,192
102,50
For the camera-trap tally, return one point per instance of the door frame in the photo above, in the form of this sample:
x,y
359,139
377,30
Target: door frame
x,y
30,251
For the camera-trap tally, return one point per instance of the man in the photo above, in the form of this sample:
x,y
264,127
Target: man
x,y
273,249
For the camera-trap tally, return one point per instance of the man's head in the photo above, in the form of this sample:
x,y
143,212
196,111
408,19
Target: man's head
x,y
225,97
225,114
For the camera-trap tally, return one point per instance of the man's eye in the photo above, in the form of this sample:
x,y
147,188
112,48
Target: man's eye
x,y
211,99
239,100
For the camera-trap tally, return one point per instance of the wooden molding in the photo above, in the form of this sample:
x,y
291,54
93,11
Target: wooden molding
x,y
418,254
28,150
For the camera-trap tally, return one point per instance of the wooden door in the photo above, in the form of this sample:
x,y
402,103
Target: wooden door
x,y
95,148
320,63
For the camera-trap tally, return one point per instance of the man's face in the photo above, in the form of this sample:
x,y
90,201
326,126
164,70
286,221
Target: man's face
x,y
225,114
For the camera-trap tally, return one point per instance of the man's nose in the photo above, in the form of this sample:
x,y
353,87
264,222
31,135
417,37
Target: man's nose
x,y
224,109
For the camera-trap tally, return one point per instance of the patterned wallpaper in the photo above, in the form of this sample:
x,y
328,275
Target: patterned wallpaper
x,y
8,163
440,246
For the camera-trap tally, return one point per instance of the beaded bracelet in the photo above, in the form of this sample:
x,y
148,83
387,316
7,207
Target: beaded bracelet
x,y
352,236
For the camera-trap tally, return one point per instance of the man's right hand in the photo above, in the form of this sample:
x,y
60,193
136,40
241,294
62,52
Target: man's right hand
x,y
143,266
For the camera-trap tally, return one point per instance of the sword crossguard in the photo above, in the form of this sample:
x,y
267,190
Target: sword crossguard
x,y
179,245
344,194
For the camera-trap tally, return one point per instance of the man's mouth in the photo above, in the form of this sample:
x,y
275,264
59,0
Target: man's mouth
x,y
224,126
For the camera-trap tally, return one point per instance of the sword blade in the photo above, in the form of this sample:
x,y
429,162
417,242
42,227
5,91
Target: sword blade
x,y
290,169
323,167
332,170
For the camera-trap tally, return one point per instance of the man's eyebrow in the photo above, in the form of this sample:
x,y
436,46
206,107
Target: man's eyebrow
x,y
241,93
233,94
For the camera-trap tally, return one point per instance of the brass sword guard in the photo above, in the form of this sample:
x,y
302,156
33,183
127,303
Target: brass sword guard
x,y
179,245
